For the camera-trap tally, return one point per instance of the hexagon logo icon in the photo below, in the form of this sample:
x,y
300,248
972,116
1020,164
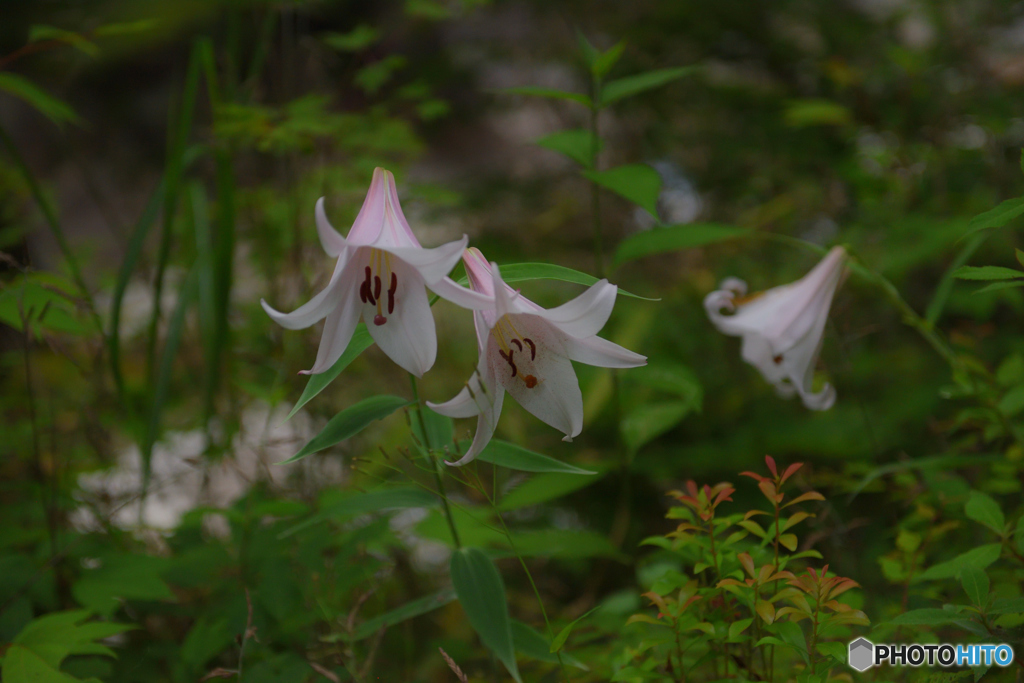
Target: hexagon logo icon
x,y
861,655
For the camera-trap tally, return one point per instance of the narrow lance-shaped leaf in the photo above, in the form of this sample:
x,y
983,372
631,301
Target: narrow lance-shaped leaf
x,y
639,183
550,93
987,273
518,458
525,272
350,422
44,103
577,143
482,595
674,238
997,217
361,341
633,85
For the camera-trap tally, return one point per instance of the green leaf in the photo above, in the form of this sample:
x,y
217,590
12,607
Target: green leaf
x,y
396,616
121,577
36,653
126,28
516,457
531,643
356,40
481,593
43,32
525,272
997,217
607,59
44,301
672,378
620,88
639,183
559,642
996,286
358,503
545,487
975,583
350,422
361,340
577,144
673,238
979,557
587,50
550,93
49,106
1006,606
565,543
926,617
815,112
986,273
837,651
648,422
440,430
982,509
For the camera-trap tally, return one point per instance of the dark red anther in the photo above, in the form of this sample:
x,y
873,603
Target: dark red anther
x,y
379,320
508,359
363,292
376,286
518,343
778,359
533,348
391,293
366,283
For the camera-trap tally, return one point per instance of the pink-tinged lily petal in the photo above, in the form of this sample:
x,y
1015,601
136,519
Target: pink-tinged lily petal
x,y
450,290
481,396
399,319
395,230
783,328
543,382
527,350
338,329
381,276
332,242
433,264
314,310
585,315
370,220
602,353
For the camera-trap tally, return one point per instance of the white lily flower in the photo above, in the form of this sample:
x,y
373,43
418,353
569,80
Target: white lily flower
x,y
783,328
526,350
380,277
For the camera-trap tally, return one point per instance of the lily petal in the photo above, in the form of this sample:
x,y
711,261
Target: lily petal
x,y
602,353
585,315
433,264
450,290
339,326
367,226
555,396
332,242
481,396
407,335
317,308
395,230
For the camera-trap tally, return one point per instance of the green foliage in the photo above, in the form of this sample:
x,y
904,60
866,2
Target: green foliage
x,y
350,422
35,655
481,593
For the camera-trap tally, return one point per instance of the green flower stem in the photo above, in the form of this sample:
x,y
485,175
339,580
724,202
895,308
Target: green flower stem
x,y
437,465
